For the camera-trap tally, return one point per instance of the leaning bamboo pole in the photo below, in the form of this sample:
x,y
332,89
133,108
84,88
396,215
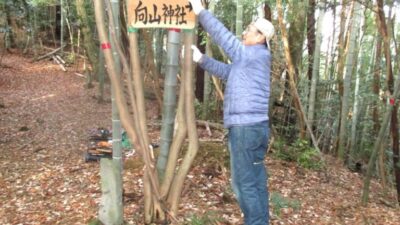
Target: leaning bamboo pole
x,y
299,108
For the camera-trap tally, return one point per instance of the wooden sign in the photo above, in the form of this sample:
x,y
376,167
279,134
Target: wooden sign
x,y
161,14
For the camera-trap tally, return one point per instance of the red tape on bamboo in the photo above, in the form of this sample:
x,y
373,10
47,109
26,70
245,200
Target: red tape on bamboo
x,y
392,101
106,45
175,29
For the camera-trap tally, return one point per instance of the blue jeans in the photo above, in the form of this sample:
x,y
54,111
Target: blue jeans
x,y
248,146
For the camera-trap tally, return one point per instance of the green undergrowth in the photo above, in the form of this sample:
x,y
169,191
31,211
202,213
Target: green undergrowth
x,y
279,202
209,218
300,152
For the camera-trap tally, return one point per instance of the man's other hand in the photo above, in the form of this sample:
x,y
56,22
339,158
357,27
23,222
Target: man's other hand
x,y
197,6
196,54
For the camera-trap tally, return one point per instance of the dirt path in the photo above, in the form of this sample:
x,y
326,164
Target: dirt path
x,y
45,116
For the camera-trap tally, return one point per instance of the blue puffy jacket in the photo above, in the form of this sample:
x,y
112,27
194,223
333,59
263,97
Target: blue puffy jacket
x,y
248,77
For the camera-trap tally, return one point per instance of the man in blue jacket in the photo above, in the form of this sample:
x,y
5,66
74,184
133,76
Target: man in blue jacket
x,y
245,106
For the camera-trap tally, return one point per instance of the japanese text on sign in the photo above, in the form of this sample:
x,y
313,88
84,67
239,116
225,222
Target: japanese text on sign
x,y
161,13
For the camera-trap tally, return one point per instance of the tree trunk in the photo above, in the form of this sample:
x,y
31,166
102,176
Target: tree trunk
x,y
383,29
296,33
155,76
329,76
365,140
292,72
62,26
71,33
311,39
177,184
9,40
159,33
380,138
207,100
342,51
375,69
299,108
350,57
316,62
89,44
53,24
200,73
29,21
101,73
394,121
34,32
153,209
124,29
376,83
296,39
356,104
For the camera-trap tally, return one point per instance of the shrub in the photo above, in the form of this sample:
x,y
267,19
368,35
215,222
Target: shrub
x,y
300,151
309,159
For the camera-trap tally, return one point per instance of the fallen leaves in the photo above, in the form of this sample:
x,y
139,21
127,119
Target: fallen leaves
x,y
45,117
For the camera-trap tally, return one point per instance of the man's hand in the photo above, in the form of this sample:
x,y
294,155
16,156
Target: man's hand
x,y
196,54
197,6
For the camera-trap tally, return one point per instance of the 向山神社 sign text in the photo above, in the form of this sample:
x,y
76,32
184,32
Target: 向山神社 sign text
x,y
161,14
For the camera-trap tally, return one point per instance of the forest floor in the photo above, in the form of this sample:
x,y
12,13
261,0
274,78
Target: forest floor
x,y
45,118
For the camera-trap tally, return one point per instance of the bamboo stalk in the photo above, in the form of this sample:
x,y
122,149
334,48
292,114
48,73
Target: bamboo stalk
x,y
177,143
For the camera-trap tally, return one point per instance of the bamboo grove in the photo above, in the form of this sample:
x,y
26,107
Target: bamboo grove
x,y
334,80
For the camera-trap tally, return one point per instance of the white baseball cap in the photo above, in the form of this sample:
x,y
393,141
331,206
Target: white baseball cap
x,y
266,28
